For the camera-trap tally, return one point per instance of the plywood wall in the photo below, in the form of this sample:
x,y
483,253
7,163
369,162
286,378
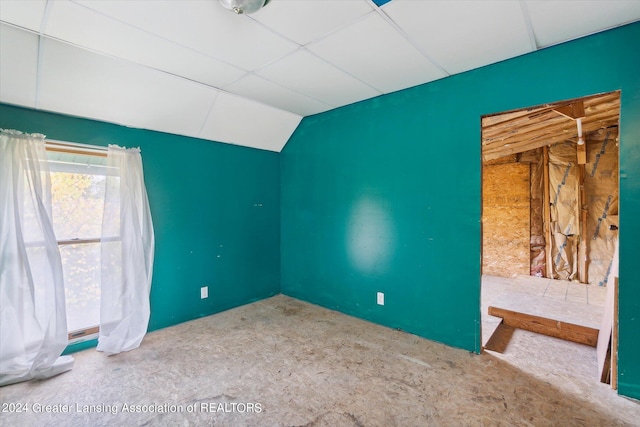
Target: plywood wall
x,y
505,219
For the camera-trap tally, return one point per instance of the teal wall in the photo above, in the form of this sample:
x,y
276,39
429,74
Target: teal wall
x,y
385,195
215,210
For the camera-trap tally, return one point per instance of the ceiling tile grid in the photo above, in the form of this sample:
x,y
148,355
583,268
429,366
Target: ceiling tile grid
x,y
270,93
240,121
26,14
202,25
358,49
310,20
83,83
85,27
18,66
306,73
561,20
463,35
193,68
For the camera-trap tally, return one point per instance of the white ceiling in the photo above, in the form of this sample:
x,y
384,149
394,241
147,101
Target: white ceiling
x,y
191,67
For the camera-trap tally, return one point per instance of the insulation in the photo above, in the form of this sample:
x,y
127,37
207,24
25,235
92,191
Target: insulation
x,y
505,219
601,186
512,158
601,190
537,249
565,224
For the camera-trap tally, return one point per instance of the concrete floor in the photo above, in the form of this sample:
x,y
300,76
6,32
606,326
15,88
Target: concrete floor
x,y
307,366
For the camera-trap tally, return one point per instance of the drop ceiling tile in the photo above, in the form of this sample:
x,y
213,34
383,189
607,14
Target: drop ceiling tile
x,y
270,93
462,35
85,27
18,66
77,82
27,14
305,73
240,121
373,38
202,25
559,21
306,21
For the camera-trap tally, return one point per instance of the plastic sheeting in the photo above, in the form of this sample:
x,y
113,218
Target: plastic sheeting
x,y
565,222
601,190
601,185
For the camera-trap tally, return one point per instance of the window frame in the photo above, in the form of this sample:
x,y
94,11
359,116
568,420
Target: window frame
x,y
91,332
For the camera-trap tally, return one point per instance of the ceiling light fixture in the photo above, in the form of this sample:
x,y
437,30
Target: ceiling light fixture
x,y
244,6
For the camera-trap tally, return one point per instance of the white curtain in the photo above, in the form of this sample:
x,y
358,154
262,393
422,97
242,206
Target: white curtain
x,y
127,250
33,325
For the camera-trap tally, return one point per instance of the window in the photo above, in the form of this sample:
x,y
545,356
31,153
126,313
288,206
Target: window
x,y
78,193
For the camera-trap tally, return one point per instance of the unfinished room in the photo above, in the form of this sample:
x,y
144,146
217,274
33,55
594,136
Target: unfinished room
x,y
319,213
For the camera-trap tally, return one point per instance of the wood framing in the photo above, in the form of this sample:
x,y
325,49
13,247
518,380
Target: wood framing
x,y
583,255
500,338
543,325
572,111
582,154
547,213
614,338
528,129
605,349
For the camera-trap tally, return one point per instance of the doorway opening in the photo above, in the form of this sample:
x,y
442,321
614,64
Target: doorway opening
x,y
549,228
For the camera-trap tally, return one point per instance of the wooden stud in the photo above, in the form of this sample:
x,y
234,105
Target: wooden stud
x,y
546,220
525,118
529,129
595,102
531,137
530,120
614,338
500,338
572,111
582,154
605,375
583,265
538,142
605,338
549,127
584,249
551,327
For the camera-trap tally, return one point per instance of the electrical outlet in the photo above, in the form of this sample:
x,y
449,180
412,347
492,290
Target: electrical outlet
x,y
380,298
204,292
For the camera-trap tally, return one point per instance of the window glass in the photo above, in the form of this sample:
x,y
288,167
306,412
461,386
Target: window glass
x,y
77,196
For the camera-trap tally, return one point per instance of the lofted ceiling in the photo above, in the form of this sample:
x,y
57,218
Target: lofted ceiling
x,y
193,68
